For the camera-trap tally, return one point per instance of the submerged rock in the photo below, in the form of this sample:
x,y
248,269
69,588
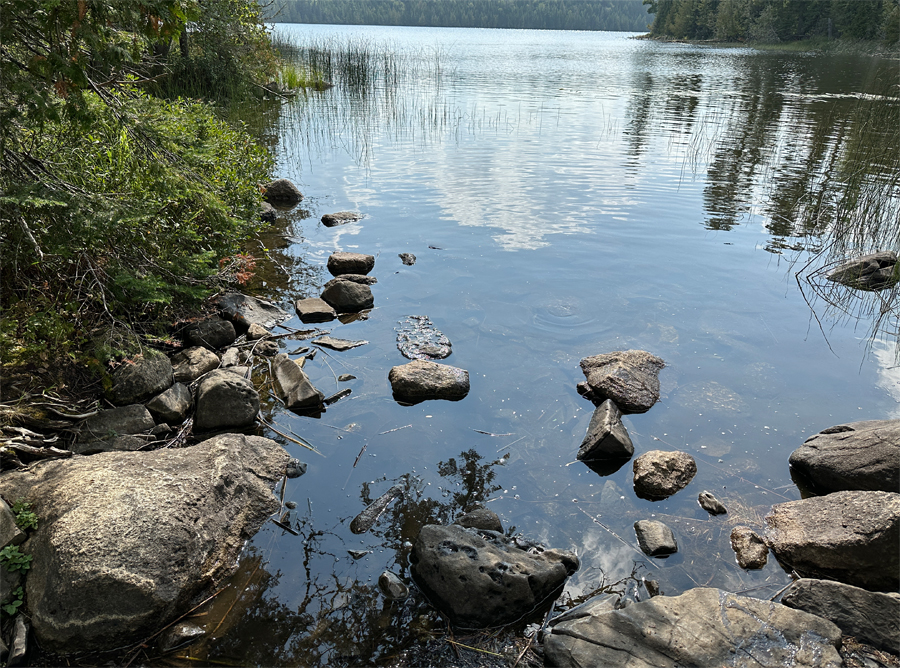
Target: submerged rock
x,y
871,617
419,339
852,536
875,271
855,455
127,539
341,218
711,504
606,436
421,380
367,518
659,474
408,259
630,378
655,538
486,581
703,628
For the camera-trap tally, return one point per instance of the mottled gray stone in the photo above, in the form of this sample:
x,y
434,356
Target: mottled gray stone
x,y
630,378
749,549
191,363
655,538
341,218
350,263
421,380
133,419
173,405
213,333
659,474
225,400
141,378
606,436
481,518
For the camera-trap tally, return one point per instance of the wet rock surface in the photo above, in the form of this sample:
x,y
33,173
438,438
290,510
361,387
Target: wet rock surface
x,y
338,344
225,400
419,339
871,617
630,378
711,504
293,386
855,455
852,537
282,191
875,271
421,380
655,538
704,628
367,518
606,436
408,259
341,218
392,586
126,540
314,310
749,548
348,297
484,580
658,474
350,263
243,311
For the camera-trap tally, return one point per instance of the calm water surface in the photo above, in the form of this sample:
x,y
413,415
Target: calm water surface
x,y
566,194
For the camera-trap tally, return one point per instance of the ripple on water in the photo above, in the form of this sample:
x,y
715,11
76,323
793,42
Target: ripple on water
x,y
562,314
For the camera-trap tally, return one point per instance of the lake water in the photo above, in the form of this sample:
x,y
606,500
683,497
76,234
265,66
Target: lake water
x,y
566,194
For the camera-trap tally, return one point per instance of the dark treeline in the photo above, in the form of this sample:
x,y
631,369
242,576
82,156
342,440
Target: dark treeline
x,y
622,15
776,20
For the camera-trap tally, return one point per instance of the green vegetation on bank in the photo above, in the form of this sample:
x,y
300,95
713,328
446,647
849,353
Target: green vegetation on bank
x,y
773,21
121,191
620,15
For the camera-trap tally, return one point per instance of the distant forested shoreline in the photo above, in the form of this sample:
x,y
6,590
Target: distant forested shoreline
x,y
614,15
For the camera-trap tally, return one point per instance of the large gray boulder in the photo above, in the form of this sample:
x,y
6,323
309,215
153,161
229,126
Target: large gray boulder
x,y
856,455
348,297
106,424
853,537
283,192
702,628
630,378
212,333
141,378
481,579
173,405
871,617
127,540
875,271
191,363
225,400
421,380
293,386
658,474
606,436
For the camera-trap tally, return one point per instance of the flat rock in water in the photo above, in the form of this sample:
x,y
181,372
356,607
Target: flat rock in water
x,y
342,262
630,378
244,311
338,344
658,474
655,538
348,297
191,363
483,581
852,537
702,628
419,339
875,271
606,436
855,455
749,549
481,518
126,540
314,310
421,380
341,218
367,518
870,617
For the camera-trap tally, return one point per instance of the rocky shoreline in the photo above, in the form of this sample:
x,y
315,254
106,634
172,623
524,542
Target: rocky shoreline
x,y
148,505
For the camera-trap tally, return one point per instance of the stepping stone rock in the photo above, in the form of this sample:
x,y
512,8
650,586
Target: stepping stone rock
x,y
225,400
655,538
140,379
870,617
421,380
293,386
419,339
314,310
338,344
711,504
856,455
348,297
282,191
191,363
630,378
486,582
852,537
481,518
392,586
243,311
749,549
341,218
213,334
702,628
350,263
353,278
171,406
875,271
606,436
658,474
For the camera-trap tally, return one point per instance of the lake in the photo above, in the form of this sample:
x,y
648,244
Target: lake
x,y
566,194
